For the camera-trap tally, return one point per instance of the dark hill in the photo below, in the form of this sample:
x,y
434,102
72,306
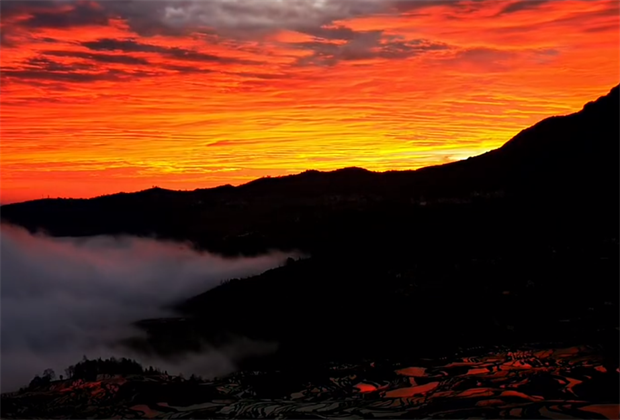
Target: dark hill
x,y
582,147
517,245
559,169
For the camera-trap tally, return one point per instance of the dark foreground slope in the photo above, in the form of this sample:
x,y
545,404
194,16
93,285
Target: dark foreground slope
x,y
518,244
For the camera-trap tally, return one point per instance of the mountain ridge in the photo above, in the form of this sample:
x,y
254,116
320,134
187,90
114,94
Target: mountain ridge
x,y
604,102
551,163
496,250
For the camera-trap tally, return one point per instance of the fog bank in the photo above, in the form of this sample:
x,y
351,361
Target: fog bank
x,y
63,298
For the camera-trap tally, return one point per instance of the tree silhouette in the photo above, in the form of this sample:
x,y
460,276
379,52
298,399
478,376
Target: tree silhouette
x,y
35,382
49,375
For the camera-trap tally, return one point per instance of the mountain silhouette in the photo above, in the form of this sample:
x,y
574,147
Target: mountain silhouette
x,y
518,245
567,162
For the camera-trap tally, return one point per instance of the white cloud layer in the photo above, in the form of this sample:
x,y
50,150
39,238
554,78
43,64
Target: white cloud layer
x,y
63,298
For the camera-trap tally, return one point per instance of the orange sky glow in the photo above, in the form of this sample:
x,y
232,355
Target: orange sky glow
x,y
103,97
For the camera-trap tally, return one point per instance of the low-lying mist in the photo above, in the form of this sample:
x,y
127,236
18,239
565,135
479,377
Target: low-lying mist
x,y
63,298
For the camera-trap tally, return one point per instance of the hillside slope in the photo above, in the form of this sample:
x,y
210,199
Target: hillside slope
x,y
517,245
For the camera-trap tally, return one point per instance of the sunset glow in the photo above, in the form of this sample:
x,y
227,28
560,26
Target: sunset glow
x,y
103,97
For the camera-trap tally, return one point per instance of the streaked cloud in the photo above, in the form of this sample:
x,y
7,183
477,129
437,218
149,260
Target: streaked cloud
x,y
99,96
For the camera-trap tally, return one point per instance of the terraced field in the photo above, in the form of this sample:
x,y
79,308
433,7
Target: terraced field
x,y
532,382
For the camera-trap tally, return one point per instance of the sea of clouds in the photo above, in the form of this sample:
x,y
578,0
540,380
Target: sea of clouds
x,y
62,298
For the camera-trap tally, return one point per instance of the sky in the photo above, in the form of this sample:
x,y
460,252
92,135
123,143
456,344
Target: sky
x,y
99,97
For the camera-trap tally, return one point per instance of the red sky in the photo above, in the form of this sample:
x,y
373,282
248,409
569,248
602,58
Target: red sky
x,y
102,97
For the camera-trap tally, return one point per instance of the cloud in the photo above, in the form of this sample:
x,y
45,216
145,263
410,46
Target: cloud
x,y
239,19
66,297
13,9
101,58
96,65
365,46
176,53
236,18
59,76
66,15
483,59
58,72
7,39
362,45
518,6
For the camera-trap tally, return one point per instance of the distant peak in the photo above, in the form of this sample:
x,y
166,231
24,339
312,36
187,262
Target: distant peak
x,y
352,169
156,189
